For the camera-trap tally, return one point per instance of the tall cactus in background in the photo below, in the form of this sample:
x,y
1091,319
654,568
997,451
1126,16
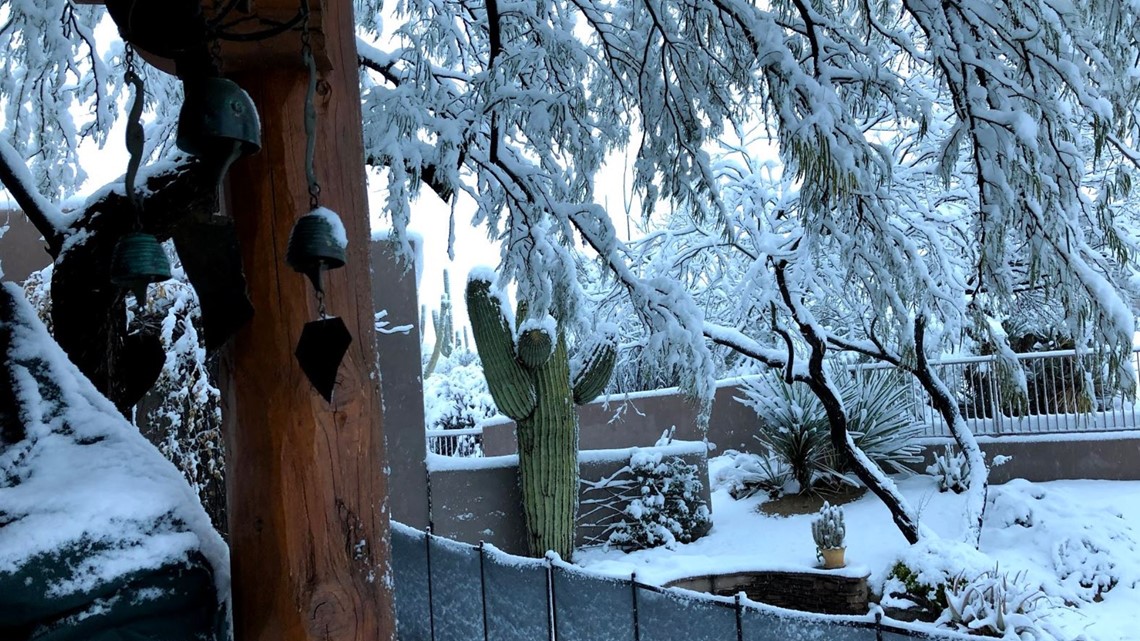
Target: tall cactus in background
x,y
533,381
444,331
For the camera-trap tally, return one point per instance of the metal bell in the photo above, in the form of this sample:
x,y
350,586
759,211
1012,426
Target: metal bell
x,y
316,244
215,114
137,261
218,122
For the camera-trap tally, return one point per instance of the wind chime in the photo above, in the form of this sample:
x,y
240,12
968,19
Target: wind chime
x,y
317,243
138,258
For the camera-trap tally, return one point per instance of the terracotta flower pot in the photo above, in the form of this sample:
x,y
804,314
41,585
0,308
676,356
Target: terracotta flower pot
x,y
833,558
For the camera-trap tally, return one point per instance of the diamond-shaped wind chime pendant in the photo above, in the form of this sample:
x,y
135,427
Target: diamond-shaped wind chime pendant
x,y
316,244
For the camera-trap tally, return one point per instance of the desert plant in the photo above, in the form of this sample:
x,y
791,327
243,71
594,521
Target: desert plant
x,y
992,604
444,330
949,467
666,505
828,529
532,380
795,431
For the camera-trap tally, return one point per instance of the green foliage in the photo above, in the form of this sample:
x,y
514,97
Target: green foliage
x,y
930,599
795,432
666,507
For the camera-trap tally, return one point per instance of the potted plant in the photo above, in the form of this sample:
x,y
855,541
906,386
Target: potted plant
x,y
829,533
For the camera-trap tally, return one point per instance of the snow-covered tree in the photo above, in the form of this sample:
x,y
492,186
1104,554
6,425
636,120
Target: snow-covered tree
x,y
933,159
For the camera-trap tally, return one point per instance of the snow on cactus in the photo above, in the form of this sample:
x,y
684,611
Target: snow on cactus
x,y
828,529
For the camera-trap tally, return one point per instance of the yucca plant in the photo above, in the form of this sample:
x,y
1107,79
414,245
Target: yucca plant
x,y
795,431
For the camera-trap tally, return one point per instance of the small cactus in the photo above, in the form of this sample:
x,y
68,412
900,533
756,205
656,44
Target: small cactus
x,y
444,331
828,529
531,378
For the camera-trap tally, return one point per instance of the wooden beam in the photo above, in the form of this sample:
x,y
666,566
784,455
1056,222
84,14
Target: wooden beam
x,y
247,42
308,503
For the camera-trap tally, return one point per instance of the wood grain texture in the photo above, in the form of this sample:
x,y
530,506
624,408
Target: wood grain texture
x,y
307,492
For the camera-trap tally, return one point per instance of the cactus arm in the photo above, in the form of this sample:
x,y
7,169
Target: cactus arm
x,y
595,372
507,380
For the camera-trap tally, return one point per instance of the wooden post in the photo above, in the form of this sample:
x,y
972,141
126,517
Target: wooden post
x,y
308,507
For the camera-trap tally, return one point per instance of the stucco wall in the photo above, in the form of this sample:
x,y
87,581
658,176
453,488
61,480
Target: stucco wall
x,y
22,249
637,420
476,500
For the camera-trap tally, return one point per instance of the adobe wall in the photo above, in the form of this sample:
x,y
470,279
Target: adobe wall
x,y
22,248
478,499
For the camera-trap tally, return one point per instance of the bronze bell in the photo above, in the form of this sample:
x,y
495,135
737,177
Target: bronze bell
x,y
316,244
218,122
137,261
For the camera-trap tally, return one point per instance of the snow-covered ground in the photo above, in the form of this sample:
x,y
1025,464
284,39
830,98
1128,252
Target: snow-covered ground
x,y
1058,533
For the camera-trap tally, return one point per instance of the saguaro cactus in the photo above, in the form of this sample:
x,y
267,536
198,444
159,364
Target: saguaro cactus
x,y
444,332
529,374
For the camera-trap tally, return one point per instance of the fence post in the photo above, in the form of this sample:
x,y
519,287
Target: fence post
x,y
431,600
879,625
483,588
739,619
552,610
636,617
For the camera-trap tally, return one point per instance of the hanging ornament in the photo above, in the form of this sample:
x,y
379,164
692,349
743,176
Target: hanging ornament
x,y
317,243
138,258
218,122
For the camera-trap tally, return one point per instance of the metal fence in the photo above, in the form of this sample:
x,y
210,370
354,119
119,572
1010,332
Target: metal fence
x,y
1065,392
460,442
450,591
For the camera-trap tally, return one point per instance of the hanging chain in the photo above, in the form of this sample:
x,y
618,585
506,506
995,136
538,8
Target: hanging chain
x,y
215,40
136,138
321,312
310,108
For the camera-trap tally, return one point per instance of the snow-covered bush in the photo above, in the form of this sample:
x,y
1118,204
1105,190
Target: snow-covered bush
x,y
992,604
827,529
456,397
919,578
949,468
181,414
795,431
1086,567
666,505
751,474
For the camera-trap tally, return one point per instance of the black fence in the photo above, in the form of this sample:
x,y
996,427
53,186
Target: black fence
x,y
449,591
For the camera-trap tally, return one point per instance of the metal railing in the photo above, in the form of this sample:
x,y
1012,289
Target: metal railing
x,y
450,591
461,442
1065,393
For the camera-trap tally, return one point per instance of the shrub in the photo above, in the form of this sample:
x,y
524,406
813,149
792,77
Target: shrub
x,y
992,604
665,506
795,431
950,469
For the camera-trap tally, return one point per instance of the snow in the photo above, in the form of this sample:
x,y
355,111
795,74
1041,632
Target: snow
x,y
83,473
336,227
1060,534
